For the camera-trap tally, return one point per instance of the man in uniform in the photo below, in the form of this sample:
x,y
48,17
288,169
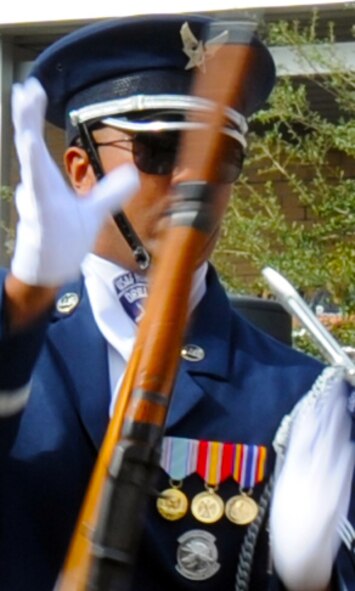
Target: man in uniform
x,y
66,338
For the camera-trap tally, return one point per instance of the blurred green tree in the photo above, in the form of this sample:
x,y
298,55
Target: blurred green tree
x,y
301,161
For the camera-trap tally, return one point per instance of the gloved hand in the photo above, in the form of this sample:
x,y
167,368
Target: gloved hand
x,y
56,228
313,489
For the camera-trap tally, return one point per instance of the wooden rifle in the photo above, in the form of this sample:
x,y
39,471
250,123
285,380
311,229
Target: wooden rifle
x,y
102,552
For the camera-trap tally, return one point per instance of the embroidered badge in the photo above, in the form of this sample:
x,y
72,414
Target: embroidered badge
x,y
197,555
132,292
197,51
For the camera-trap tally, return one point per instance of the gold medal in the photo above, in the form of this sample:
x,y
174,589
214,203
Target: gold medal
x,y
172,504
207,507
241,509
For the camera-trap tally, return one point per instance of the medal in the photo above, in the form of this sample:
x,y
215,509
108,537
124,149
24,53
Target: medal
x,y
207,506
215,462
172,504
241,509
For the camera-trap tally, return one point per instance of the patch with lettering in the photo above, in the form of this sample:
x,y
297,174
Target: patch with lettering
x,y
132,292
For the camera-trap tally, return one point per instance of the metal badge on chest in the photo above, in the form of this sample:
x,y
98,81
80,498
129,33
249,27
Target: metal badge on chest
x,y
67,303
197,555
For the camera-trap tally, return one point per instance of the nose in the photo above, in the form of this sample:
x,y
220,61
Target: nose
x,y
182,174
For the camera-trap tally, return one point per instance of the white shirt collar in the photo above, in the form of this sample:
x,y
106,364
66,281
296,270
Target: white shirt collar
x,y
116,326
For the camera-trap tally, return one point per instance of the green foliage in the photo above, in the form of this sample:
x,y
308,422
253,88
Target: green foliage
x,y
342,329
294,206
6,193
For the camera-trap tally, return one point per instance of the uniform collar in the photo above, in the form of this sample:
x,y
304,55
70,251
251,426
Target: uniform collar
x,y
81,347
210,330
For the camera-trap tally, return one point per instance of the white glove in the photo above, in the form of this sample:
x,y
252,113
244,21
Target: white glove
x,y
56,228
313,489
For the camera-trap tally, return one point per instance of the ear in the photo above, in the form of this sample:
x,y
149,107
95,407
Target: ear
x,y
79,169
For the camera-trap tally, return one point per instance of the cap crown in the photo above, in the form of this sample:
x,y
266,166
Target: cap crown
x,y
142,55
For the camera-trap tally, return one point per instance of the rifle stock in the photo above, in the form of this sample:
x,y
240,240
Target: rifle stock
x,y
129,455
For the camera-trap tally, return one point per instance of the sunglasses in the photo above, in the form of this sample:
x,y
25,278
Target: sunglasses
x,y
155,153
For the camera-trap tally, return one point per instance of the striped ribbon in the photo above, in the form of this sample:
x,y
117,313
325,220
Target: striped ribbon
x,y
214,461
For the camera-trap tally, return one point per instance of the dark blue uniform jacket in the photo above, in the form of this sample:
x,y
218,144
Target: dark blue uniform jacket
x,y
238,393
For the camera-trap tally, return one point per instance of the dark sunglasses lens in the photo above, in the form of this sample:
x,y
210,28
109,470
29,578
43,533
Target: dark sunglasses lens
x,y
231,162
155,153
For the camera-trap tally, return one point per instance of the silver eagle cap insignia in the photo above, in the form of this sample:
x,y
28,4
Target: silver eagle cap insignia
x,y
197,51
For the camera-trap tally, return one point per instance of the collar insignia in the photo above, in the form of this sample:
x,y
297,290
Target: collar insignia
x,y
67,303
197,51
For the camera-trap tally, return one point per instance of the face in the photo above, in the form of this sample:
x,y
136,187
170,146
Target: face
x,y
145,210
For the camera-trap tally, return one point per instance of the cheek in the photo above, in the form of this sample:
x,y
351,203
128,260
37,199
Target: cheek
x,y
221,201
208,247
113,159
152,197
155,188
146,209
